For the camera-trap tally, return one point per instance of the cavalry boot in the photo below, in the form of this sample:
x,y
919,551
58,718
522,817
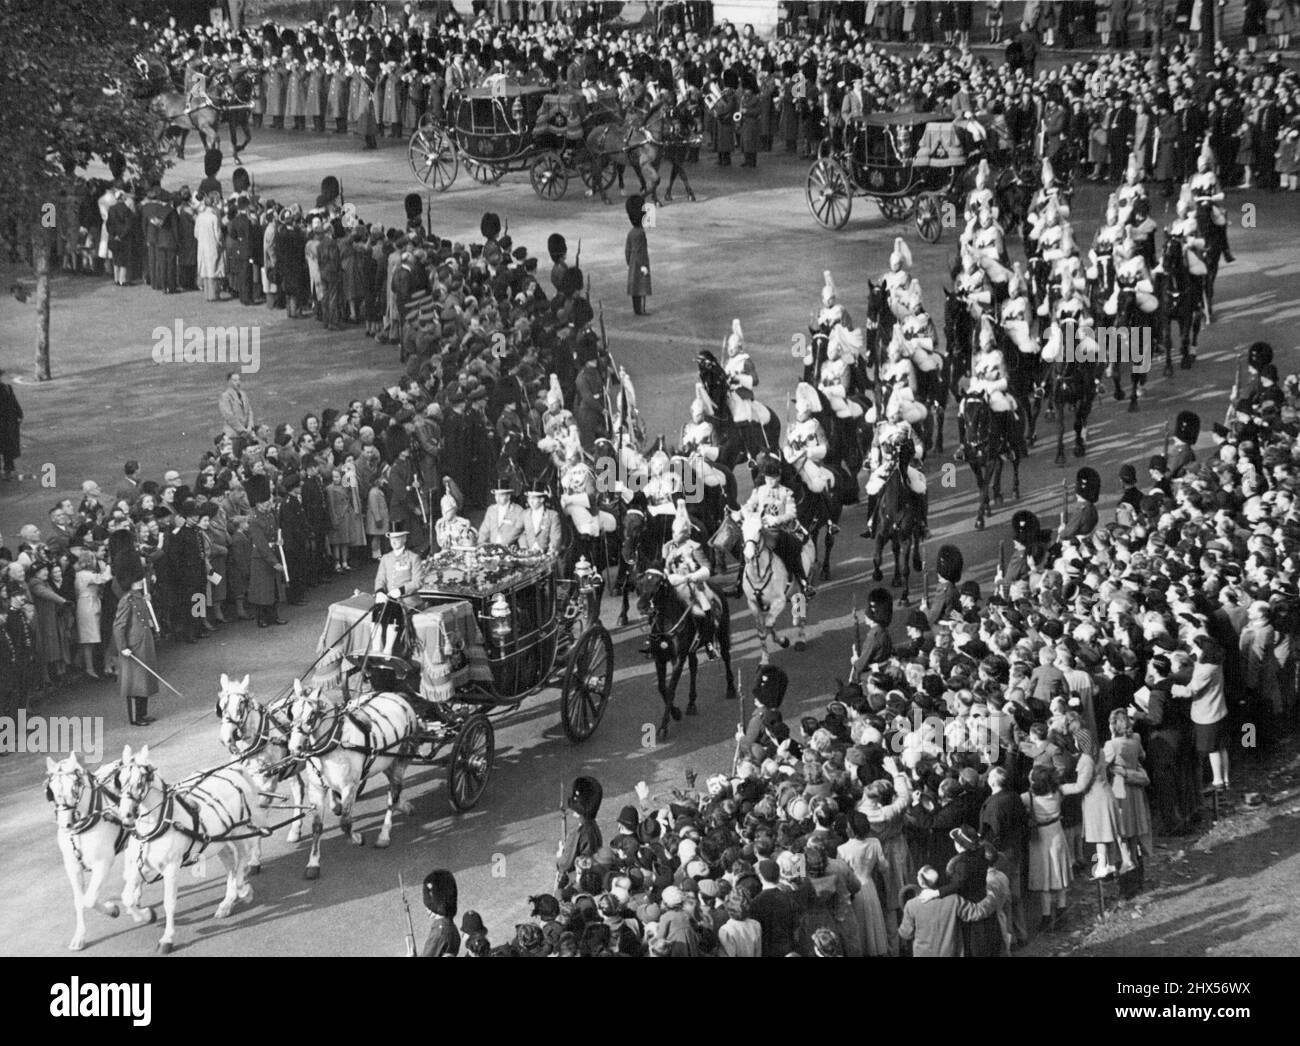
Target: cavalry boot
x,y
142,717
872,501
130,712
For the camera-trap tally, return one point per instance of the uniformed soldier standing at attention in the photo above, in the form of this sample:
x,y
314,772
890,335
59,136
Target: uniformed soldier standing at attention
x,y
1087,487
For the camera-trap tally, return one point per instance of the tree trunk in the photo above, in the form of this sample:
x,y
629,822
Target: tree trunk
x,y
41,263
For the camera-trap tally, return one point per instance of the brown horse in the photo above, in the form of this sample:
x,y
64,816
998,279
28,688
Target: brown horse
x,y
632,142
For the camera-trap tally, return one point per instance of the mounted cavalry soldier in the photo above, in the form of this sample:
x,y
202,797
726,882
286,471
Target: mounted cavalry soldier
x,y
1132,273
832,313
984,237
578,498
1015,315
972,283
1048,192
1109,233
775,504
1071,313
687,568
741,376
989,374
700,444
898,282
1130,190
1206,189
981,196
664,487
896,446
806,444
835,377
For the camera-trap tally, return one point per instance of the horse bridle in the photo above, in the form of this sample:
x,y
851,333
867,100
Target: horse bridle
x,y
307,728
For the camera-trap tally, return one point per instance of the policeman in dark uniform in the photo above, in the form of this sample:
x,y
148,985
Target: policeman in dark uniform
x,y
1087,489
876,644
1187,430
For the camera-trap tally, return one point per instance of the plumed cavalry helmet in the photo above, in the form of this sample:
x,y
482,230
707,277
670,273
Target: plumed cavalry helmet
x,y
770,686
556,247
490,226
1025,528
585,796
880,607
1087,484
949,564
1187,426
1259,355
439,893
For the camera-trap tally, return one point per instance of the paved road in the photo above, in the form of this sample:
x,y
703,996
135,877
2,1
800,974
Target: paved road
x,y
748,249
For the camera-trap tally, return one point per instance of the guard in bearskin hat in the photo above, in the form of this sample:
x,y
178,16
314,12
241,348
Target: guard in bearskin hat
x,y
637,252
558,250
490,227
1187,430
876,644
240,181
211,165
414,212
1087,489
440,898
766,728
583,839
1026,547
948,566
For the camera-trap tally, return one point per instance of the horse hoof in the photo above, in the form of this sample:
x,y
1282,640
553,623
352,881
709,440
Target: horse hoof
x,y
1080,450
1060,459
254,869
676,713
730,695
152,915
621,622
876,575
222,912
1169,369
382,844
165,947
358,839
112,911
312,872
800,646
979,525
785,644
1133,405
826,573
691,709
897,582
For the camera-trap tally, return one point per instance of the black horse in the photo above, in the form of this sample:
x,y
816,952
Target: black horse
x,y
1131,322
899,520
682,138
643,538
1072,385
960,333
990,438
1216,243
818,514
1182,300
676,635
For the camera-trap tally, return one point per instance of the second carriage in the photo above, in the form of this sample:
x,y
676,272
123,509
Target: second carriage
x,y
488,628
912,164
506,126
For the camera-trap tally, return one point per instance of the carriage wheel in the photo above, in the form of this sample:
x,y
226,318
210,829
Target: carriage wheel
x,y
471,762
929,216
549,177
829,194
433,157
588,677
895,208
587,172
487,173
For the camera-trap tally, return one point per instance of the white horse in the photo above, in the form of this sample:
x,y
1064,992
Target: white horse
x,y
374,733
90,833
172,826
259,736
767,583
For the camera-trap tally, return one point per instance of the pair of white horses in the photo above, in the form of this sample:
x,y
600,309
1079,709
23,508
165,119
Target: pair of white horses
x,y
313,748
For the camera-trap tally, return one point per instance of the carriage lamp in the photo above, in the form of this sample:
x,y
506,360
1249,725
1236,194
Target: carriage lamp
x,y
502,626
517,110
584,573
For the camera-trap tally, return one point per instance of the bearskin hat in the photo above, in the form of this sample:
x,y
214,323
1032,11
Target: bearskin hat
x,y
440,893
731,78
635,210
258,489
1025,528
1259,355
949,564
1187,426
330,188
414,206
585,796
556,247
572,281
239,180
582,312
129,570
490,226
880,607
212,162
1087,484
770,686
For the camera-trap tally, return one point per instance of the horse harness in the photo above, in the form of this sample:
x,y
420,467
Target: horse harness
x,y
95,813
